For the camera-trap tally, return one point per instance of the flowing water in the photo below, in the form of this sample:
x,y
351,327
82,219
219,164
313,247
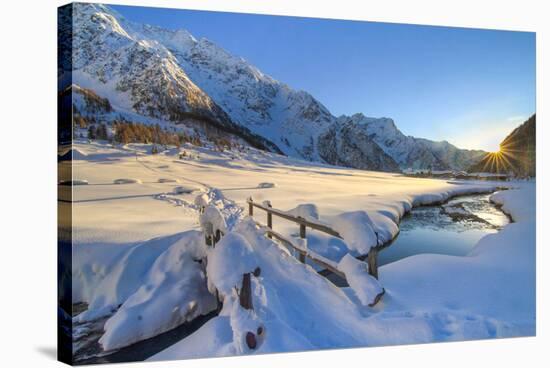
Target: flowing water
x,y
453,228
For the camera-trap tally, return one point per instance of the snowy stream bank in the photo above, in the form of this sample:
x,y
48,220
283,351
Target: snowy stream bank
x,y
147,288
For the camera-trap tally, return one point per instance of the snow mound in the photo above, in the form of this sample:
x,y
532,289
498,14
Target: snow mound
x,y
202,200
182,190
126,181
455,209
357,229
514,202
232,213
72,154
74,182
232,257
308,211
211,220
174,291
366,288
105,279
168,180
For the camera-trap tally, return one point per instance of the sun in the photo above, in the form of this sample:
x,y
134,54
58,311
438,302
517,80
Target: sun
x,y
498,161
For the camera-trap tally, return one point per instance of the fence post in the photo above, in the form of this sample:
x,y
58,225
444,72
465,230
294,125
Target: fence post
x,y
245,300
269,220
245,296
373,262
217,236
303,236
250,208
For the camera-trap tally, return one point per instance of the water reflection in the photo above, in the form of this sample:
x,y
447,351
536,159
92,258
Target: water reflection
x,y
432,230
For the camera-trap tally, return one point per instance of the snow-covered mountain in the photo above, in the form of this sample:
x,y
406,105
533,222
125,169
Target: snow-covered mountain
x,y
140,75
172,76
411,152
346,143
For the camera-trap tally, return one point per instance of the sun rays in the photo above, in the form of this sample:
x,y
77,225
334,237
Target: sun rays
x,y
504,160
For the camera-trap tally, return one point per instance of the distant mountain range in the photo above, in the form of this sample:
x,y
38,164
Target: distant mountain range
x,y
150,73
517,155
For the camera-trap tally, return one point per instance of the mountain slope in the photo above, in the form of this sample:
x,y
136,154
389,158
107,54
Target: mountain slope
x,y
140,75
348,144
517,153
410,152
289,118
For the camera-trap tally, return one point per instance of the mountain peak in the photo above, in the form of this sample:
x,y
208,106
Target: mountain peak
x,y
169,75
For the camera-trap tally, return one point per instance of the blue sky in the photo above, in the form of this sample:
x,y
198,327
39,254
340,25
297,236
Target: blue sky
x,y
470,87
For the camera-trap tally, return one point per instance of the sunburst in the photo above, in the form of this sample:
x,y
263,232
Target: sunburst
x,y
501,161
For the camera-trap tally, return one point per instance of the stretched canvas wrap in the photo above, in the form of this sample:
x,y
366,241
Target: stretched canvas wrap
x,y
234,184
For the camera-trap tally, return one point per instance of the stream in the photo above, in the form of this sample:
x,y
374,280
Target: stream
x,y
453,228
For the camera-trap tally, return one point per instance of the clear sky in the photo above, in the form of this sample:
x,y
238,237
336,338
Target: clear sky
x,y
470,87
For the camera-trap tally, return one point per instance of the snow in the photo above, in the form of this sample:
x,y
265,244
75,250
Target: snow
x,y
105,276
172,292
127,181
182,190
232,257
202,200
455,209
365,287
308,211
488,294
74,182
131,249
266,185
71,154
167,180
517,205
212,219
357,229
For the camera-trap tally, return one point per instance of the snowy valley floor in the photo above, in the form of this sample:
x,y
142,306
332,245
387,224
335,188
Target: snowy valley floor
x,y
138,248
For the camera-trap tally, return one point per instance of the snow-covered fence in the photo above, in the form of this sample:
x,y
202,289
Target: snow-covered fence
x,y
304,224
245,302
297,219
360,276
213,224
233,272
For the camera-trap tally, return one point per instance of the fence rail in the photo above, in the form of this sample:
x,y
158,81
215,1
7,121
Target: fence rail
x,y
371,257
297,219
327,264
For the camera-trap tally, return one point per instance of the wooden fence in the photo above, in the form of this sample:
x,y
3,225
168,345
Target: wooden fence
x,y
245,292
304,253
